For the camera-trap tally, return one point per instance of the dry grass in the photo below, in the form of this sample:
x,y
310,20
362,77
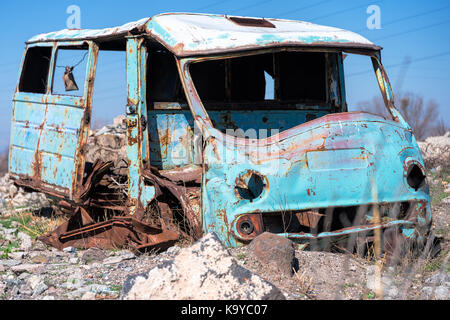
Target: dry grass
x,y
305,284
33,224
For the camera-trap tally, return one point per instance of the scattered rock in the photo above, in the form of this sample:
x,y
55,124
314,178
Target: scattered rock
x,y
34,280
26,267
17,255
92,255
441,293
69,249
13,198
112,260
117,259
73,260
274,252
26,243
437,279
88,296
10,263
39,259
74,281
206,270
25,290
40,288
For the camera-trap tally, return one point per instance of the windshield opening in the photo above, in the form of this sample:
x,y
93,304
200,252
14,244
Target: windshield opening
x,y
285,79
257,96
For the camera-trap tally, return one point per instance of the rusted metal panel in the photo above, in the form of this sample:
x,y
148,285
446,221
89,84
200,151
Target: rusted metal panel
x,y
113,233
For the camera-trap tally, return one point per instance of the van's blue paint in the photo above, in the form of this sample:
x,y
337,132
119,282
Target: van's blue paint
x,y
139,193
172,132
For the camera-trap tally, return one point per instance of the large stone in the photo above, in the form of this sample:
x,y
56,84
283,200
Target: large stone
x,y
205,270
274,252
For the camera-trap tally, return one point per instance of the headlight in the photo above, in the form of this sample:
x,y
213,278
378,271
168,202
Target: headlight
x,y
415,176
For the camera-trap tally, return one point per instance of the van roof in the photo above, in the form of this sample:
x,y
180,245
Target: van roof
x,y
189,34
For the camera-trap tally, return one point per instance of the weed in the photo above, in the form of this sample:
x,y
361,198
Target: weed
x,y
348,285
115,287
6,251
241,256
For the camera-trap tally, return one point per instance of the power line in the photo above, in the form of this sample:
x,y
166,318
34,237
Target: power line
x,y
302,8
212,5
399,64
346,10
420,14
251,6
413,30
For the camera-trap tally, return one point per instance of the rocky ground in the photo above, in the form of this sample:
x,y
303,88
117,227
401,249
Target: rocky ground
x,y
31,270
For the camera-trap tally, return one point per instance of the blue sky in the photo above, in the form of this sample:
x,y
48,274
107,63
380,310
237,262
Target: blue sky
x,y
416,29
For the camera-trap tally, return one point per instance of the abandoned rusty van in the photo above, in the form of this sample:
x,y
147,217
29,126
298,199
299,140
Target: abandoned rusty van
x,y
234,125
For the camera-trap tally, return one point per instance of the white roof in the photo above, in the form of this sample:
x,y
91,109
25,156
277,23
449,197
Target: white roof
x,y
187,34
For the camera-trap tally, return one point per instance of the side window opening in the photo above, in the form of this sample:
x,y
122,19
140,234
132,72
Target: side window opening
x,y
361,81
35,70
163,81
107,137
70,71
110,89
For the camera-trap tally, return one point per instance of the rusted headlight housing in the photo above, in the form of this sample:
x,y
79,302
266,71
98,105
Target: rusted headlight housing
x,y
250,185
246,227
415,177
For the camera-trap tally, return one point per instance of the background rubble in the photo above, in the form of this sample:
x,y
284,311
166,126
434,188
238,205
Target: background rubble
x,y
436,151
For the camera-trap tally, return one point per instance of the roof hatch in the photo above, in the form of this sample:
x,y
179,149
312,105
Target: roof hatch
x,y
251,22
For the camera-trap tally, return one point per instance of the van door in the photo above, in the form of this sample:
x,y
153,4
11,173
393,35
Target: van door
x,y
50,125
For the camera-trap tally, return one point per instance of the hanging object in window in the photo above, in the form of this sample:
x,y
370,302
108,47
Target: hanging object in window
x,y
69,80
